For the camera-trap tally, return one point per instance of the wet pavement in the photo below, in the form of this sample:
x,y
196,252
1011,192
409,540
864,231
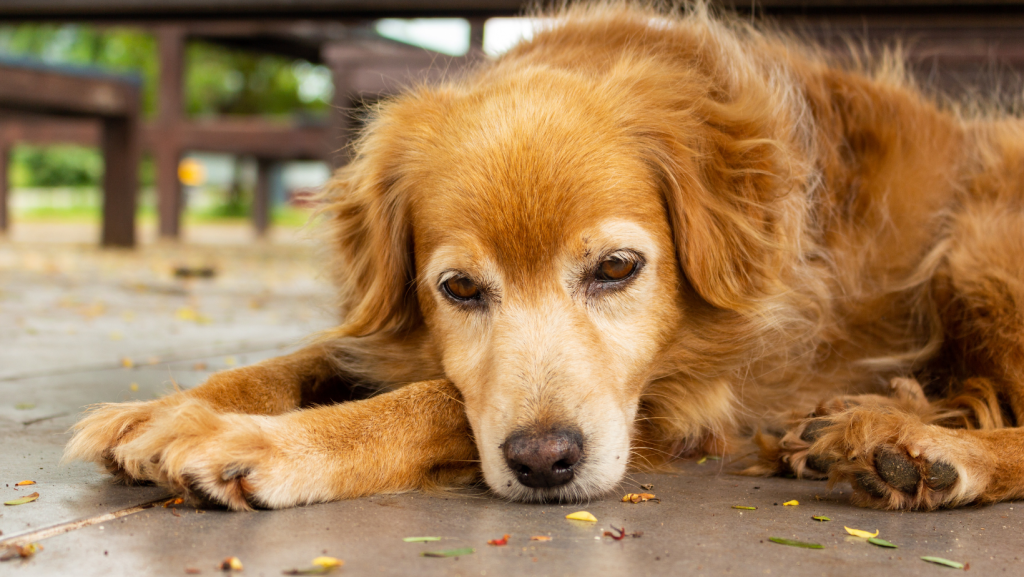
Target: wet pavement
x,y
79,326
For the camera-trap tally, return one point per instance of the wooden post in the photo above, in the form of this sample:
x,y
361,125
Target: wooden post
x,y
476,36
341,118
262,203
120,180
166,146
5,154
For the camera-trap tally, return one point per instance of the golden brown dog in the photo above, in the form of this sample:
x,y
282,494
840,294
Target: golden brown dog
x,y
636,237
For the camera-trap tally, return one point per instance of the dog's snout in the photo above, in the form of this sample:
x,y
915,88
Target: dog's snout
x,y
544,460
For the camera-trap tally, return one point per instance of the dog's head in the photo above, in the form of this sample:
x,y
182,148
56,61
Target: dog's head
x,y
555,233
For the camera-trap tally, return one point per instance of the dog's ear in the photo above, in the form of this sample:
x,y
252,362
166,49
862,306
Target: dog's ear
x,y
728,188
371,235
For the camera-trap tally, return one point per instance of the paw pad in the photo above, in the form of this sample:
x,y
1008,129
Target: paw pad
x,y
897,470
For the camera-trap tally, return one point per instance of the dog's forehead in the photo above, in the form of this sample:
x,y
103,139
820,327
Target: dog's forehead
x,y
525,175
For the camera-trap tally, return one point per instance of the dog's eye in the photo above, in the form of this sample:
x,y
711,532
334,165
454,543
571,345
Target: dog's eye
x,y
614,269
461,288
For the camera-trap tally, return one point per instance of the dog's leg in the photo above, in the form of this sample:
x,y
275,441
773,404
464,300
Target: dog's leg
x,y
414,437
268,388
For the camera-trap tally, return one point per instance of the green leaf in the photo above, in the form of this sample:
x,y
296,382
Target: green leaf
x,y
820,518
941,561
420,539
314,570
702,460
449,553
792,543
744,507
23,500
25,406
881,543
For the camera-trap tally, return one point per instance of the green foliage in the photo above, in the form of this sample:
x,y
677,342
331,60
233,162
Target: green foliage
x,y
34,166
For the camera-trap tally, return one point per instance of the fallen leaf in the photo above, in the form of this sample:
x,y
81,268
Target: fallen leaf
x,y
540,538
499,542
619,537
792,543
581,516
420,539
329,562
127,362
200,366
860,533
23,500
230,361
23,483
192,571
174,501
639,498
792,503
231,564
744,507
116,336
647,486
321,566
941,561
449,553
25,406
21,551
134,387
703,460
881,543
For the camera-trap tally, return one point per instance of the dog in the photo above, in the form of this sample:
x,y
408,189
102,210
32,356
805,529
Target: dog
x,y
639,236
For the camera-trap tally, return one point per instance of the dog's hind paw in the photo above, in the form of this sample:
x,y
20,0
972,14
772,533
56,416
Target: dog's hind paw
x,y
892,459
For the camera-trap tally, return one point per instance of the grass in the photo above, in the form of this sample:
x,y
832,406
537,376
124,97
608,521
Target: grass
x,y
286,216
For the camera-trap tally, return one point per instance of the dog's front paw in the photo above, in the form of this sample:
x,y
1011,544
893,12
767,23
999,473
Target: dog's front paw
x,y
239,461
106,427
894,460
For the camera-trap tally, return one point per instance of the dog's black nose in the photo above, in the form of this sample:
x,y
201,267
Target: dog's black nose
x,y
544,460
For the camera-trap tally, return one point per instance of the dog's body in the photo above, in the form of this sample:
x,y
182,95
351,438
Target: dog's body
x,y
633,238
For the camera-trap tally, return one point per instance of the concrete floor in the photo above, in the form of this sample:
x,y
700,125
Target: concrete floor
x,y
72,318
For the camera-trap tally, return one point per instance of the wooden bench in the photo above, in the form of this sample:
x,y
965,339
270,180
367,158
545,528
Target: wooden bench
x,y
112,100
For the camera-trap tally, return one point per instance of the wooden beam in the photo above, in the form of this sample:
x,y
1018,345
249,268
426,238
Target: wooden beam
x,y
56,91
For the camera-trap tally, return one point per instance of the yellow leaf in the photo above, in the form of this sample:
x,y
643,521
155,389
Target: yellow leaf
x,y
134,387
581,516
23,483
116,336
127,363
860,533
327,562
185,314
230,361
540,538
792,503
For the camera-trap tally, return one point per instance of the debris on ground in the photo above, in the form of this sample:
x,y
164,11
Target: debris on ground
x,y
792,503
821,518
420,539
231,564
581,516
499,542
941,561
540,538
449,553
860,532
23,500
647,486
23,483
639,498
621,533
21,551
793,543
320,566
174,501
881,543
744,507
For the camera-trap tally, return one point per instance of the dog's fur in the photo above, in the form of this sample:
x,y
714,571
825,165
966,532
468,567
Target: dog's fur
x,y
810,243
